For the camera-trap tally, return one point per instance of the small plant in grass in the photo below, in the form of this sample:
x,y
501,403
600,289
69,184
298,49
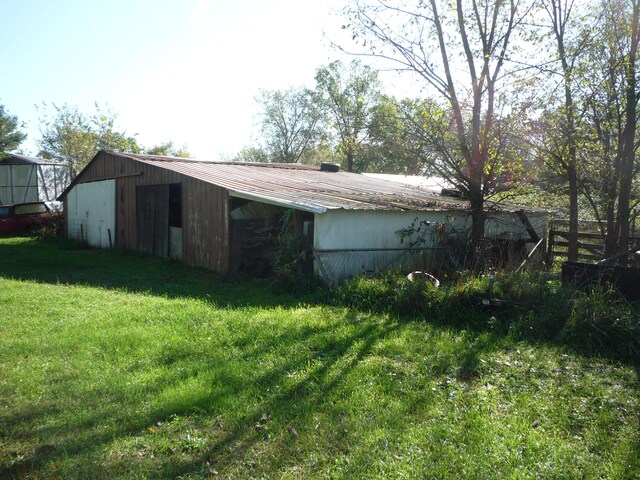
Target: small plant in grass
x,y
602,321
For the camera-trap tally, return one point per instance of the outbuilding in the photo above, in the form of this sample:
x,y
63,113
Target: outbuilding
x,y
233,217
26,179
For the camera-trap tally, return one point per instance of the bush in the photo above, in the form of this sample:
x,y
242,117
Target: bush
x,y
50,229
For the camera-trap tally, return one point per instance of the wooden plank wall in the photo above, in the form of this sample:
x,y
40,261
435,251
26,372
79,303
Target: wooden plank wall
x,y
205,219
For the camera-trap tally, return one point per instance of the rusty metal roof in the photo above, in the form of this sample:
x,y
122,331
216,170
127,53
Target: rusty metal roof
x,y
305,187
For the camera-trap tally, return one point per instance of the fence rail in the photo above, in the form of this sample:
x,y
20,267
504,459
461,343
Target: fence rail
x,y
591,240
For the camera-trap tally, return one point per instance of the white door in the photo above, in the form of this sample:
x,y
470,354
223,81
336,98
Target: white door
x,y
91,213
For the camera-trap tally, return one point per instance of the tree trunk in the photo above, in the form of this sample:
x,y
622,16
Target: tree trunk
x,y
478,217
350,158
573,212
628,136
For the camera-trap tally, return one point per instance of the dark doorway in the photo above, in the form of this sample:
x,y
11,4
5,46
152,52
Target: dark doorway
x,y
175,221
175,205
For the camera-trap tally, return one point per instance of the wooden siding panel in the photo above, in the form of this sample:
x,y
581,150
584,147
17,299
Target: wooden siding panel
x,y
205,225
204,208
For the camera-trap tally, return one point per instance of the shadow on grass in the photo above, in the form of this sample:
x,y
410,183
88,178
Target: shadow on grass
x,y
288,400
290,391
61,261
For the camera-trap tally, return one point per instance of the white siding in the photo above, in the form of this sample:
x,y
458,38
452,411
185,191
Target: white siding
x,y
352,232
354,229
91,213
52,180
508,225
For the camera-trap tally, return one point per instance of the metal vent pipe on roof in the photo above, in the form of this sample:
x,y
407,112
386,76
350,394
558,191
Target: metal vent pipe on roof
x,y
329,167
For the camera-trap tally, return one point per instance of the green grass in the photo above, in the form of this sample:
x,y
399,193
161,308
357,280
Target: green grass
x,y
121,366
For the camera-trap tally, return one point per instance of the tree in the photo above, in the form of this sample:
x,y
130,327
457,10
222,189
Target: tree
x,y
560,148
613,108
348,96
393,145
10,135
428,39
107,137
251,154
290,124
73,138
590,137
167,149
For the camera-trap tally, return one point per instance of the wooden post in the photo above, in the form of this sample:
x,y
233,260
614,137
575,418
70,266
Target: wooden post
x,y
550,245
533,250
528,227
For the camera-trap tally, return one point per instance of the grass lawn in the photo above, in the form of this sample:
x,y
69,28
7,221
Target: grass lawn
x,y
121,366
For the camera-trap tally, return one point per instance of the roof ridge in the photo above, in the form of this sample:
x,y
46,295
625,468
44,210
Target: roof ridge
x,y
169,158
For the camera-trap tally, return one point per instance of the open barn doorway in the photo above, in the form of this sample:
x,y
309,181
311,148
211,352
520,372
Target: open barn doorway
x,y
267,239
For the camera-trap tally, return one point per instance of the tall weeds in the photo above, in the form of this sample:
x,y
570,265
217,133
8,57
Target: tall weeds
x,y
525,306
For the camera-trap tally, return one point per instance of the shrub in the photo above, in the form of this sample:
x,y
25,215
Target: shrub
x,y
50,229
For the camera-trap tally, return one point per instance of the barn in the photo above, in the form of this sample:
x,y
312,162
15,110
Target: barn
x,y
30,179
230,217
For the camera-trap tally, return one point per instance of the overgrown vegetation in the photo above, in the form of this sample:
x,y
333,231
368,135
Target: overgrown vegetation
x,y
529,306
286,261
116,365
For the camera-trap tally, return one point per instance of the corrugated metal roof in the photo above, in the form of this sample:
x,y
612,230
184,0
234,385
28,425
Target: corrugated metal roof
x,y
15,159
305,187
431,184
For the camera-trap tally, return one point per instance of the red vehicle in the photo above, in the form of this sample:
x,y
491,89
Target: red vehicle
x,y
24,217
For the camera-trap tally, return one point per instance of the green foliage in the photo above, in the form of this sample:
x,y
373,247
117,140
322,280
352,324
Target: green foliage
x,y
430,139
169,150
10,135
348,97
286,259
73,138
291,124
418,232
601,321
390,292
51,229
251,154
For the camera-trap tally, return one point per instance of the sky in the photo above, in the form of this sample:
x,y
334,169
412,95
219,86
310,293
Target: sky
x,y
185,71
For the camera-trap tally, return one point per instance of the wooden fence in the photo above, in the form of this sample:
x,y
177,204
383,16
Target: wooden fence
x,y
591,240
